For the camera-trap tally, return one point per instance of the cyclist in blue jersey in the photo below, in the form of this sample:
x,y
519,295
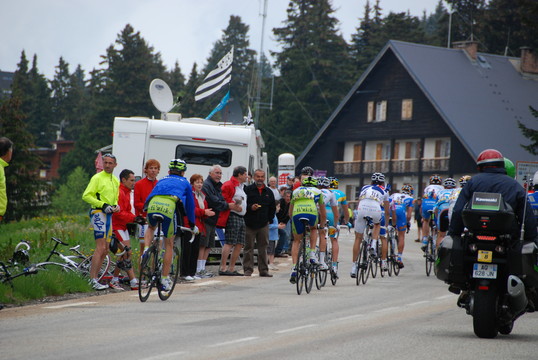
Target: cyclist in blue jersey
x,y
429,198
343,207
331,208
402,209
442,207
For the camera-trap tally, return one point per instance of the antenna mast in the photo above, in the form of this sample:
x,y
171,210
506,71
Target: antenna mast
x,y
260,72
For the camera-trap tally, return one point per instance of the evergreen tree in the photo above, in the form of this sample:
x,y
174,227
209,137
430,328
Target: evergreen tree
x,y
176,81
76,104
189,107
68,198
24,188
315,73
60,89
466,14
531,134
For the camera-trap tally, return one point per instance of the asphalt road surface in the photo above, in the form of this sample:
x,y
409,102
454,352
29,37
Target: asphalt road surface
x,y
406,317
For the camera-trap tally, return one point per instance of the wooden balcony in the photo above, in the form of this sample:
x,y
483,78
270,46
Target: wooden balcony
x,y
398,166
435,164
347,167
405,166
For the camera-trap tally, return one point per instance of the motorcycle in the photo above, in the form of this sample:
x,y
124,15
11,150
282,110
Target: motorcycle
x,y
494,273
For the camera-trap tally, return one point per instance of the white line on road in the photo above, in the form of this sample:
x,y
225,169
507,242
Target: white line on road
x,y
206,283
349,317
444,297
387,309
418,303
234,341
295,329
164,356
70,305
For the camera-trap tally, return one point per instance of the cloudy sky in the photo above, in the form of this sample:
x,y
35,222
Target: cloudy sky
x,y
181,30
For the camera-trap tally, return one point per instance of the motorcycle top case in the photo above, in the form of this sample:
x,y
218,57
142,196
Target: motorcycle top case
x,y
488,213
449,262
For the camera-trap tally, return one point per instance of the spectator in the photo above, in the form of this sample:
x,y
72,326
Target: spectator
x,y
232,220
215,201
274,188
260,212
201,212
6,151
142,189
120,220
284,229
274,227
102,194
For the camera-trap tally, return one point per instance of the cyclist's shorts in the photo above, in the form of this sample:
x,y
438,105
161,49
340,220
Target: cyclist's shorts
x,y
442,220
297,225
427,204
142,231
401,219
366,208
122,235
101,223
165,206
383,229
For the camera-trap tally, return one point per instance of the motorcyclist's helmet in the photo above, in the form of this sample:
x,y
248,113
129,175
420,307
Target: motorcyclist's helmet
x,y
490,158
334,183
324,182
309,181
464,179
408,189
449,183
378,178
307,170
177,165
510,168
435,180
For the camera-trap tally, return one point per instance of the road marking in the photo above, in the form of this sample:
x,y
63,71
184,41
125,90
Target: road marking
x,y
349,317
295,329
70,305
387,309
206,283
152,293
234,341
164,356
418,303
444,297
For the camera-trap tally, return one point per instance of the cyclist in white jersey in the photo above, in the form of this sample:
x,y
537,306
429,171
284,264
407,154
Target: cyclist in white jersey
x,y
454,197
371,198
402,209
429,198
331,208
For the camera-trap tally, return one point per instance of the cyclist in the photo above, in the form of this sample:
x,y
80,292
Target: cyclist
x,y
454,196
402,209
442,208
170,191
305,172
304,204
429,198
342,201
331,208
102,194
372,197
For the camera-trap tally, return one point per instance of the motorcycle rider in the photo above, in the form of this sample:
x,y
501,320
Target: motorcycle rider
x,y
492,178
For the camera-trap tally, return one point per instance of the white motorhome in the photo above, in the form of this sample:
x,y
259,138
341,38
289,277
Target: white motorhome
x,y
200,142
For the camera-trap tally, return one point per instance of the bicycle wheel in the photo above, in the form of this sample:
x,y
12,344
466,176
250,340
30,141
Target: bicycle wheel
x,y
374,260
147,275
309,277
299,281
363,259
429,256
381,272
49,265
174,273
85,266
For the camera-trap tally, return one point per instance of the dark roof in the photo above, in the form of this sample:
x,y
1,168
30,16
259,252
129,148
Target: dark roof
x,y
481,101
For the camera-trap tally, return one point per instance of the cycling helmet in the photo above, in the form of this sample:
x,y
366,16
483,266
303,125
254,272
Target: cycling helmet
x,y
334,183
464,179
21,257
510,168
307,170
490,158
435,179
378,177
449,183
177,165
324,182
408,189
309,181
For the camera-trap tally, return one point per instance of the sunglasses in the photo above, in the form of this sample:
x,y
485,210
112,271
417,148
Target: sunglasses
x,y
109,155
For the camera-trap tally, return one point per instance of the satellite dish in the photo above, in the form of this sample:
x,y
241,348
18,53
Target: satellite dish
x,y
161,95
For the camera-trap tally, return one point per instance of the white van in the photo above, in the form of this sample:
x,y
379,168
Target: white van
x,y
200,142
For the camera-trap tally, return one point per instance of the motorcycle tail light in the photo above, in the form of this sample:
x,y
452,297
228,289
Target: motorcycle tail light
x,y
484,237
482,287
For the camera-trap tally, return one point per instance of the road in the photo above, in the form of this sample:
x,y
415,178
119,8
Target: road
x,y
406,317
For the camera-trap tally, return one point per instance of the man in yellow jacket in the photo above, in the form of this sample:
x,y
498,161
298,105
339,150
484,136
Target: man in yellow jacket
x,y
102,194
6,151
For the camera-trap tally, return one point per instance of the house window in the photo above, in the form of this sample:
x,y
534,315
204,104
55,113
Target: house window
x,y
407,109
377,111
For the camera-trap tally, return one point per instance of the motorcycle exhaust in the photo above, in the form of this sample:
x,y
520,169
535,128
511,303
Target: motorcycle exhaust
x,y
516,291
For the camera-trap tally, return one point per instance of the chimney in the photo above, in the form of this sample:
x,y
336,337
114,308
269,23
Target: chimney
x,y
471,47
529,62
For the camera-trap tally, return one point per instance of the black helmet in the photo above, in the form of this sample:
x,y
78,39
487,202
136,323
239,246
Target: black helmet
x,y
307,170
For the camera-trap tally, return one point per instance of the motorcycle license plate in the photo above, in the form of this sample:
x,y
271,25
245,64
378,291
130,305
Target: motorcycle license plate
x,y
484,271
485,256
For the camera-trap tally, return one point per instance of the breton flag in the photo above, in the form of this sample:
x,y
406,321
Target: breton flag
x,y
217,78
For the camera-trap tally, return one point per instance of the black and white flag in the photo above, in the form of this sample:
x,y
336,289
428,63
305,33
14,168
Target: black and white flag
x,y
217,78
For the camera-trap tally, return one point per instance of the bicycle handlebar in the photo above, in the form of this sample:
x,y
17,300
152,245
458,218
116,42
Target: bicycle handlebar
x,y
192,231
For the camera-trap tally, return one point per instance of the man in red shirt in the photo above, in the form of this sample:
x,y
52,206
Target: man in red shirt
x,y
142,189
120,220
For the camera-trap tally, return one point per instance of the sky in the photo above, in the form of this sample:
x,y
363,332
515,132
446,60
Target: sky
x,y
80,31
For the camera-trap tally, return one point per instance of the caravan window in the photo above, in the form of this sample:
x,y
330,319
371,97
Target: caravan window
x,y
201,155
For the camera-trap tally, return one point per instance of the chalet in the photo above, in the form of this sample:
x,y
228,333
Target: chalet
x,y
420,110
